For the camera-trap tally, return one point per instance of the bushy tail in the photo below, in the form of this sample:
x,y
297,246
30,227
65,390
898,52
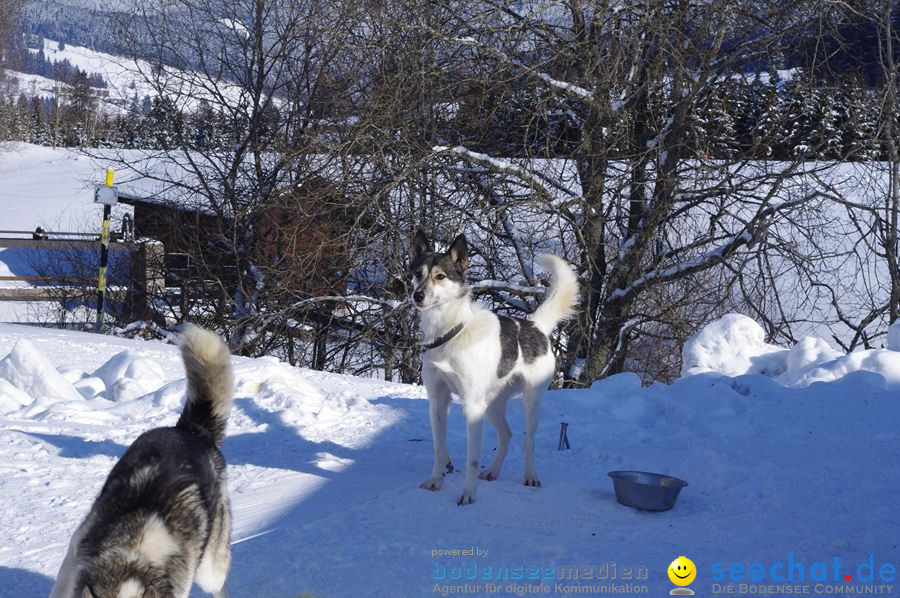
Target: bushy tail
x,y
561,298
207,365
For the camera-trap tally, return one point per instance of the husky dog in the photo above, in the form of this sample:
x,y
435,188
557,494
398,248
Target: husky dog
x,y
163,519
481,357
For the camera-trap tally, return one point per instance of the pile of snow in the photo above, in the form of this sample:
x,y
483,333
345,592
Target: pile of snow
x,y
127,376
734,345
11,398
28,370
27,375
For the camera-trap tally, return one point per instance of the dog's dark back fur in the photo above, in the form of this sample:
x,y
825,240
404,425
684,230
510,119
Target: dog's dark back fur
x,y
165,499
518,335
161,464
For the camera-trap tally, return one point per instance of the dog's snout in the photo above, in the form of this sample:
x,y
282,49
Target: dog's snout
x,y
418,296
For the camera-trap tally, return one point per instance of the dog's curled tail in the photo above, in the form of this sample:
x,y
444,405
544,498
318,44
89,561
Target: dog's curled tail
x,y
561,298
207,365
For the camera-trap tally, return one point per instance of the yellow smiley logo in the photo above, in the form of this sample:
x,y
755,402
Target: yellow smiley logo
x,y
682,571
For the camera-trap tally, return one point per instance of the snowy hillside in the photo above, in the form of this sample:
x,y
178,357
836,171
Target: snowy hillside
x,y
324,471
128,81
31,85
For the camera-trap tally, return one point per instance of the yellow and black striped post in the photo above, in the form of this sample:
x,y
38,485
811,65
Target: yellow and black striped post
x,y
104,254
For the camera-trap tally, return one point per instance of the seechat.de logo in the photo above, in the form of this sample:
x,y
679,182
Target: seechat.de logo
x,y
682,572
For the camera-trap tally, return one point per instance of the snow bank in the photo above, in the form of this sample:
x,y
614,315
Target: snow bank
x,y
26,376
128,375
125,389
734,345
882,365
71,374
90,387
114,368
29,371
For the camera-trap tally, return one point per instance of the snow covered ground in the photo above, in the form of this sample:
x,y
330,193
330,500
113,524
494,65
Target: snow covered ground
x,y
324,471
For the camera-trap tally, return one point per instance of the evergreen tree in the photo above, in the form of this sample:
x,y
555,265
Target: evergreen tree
x,y
861,126
723,143
829,117
37,127
769,132
165,123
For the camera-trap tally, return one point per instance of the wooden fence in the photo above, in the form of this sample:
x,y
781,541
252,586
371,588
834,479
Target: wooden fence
x,y
146,276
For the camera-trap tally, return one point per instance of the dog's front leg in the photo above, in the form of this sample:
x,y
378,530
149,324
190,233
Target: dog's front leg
x,y
475,432
438,408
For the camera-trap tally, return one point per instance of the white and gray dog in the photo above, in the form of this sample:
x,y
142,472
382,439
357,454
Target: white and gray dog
x,y
481,357
163,519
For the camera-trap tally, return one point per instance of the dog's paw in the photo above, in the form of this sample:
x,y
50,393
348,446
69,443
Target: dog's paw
x,y
432,484
532,482
489,475
467,498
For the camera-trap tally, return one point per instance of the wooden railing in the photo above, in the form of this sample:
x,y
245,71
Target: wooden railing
x,y
147,269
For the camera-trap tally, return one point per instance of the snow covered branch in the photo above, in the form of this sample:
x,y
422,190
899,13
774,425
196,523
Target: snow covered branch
x,y
565,87
541,185
388,303
717,255
503,286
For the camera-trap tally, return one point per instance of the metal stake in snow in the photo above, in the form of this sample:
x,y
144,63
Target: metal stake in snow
x,y
108,196
563,438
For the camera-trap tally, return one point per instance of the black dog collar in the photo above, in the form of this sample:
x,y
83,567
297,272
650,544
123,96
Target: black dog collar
x,y
444,338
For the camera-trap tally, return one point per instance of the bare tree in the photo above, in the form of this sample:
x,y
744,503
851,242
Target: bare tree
x,y
243,89
310,140
640,209
889,216
866,299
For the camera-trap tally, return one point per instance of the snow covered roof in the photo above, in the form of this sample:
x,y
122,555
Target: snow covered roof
x,y
52,188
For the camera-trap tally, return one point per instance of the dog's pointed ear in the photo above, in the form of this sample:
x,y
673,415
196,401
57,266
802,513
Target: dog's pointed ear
x,y
459,252
420,246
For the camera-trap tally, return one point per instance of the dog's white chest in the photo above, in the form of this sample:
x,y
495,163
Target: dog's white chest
x,y
442,368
